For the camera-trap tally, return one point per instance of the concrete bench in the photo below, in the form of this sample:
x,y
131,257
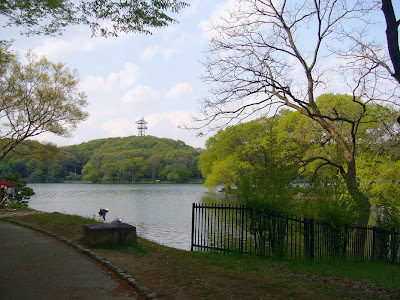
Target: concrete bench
x,y
109,235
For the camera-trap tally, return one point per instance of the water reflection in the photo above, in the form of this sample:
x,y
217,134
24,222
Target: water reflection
x,y
218,198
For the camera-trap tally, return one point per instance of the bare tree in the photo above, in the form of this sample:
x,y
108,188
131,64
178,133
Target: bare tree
x,y
268,54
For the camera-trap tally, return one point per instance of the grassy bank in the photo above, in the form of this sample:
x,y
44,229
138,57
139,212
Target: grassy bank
x,y
175,274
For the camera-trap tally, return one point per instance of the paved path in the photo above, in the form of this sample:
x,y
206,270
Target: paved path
x,y
35,266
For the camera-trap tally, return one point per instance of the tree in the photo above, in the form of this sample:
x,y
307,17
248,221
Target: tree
x,y
301,136
269,54
104,17
372,53
155,165
392,36
90,173
38,97
132,168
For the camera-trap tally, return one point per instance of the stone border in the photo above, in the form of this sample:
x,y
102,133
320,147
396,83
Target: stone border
x,y
126,277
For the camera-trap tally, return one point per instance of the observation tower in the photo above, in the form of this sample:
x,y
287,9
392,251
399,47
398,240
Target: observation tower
x,y
142,127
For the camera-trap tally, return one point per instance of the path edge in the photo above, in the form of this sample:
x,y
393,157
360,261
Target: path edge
x,y
120,273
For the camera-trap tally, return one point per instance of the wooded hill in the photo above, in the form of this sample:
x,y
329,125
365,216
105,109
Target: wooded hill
x,y
128,159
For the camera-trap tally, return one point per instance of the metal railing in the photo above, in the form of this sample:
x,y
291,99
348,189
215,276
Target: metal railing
x,y
238,228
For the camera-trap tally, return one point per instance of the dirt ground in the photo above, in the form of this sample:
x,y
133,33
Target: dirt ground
x,y
176,274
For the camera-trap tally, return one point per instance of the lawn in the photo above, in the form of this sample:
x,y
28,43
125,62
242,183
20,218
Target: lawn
x,y
176,274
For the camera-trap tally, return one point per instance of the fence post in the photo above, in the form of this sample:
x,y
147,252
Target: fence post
x,y
373,241
345,238
306,239
309,238
241,241
312,238
192,238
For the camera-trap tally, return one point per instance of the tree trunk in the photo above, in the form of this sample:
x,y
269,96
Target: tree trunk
x,y
364,210
392,36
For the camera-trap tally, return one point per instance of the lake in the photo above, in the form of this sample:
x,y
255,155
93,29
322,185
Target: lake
x,y
160,212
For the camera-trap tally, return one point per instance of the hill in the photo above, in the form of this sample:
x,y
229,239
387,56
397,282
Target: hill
x,y
127,159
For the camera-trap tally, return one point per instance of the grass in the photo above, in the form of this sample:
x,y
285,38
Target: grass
x,y
377,273
173,273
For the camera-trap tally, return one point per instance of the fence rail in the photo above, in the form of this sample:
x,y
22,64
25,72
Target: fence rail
x,y
237,228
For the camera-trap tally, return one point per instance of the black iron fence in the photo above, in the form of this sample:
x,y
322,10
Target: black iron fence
x,y
238,228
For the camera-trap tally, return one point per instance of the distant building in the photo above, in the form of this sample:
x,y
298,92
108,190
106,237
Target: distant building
x,y
142,127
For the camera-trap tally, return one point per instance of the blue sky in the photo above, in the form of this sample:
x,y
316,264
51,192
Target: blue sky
x,y
155,76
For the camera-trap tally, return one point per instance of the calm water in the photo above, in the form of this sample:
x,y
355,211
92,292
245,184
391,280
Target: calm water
x,y
160,212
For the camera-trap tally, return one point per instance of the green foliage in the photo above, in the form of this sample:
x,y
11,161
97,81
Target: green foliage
x,y
264,156
122,160
328,202
36,97
239,150
21,190
51,17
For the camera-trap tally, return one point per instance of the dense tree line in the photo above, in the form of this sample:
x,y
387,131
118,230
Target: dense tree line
x,y
121,160
265,55
265,158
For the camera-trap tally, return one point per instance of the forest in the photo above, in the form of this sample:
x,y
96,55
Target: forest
x,y
110,160
286,164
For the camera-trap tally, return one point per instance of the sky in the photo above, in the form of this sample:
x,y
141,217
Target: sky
x,y
157,77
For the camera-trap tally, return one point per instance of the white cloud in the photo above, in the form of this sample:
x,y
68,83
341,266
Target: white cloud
x,y
118,127
221,11
176,118
56,49
128,75
166,124
141,94
51,48
150,52
165,52
193,9
179,90
235,11
123,79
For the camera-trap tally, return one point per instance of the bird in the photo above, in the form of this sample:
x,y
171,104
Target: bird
x,y
103,212
116,221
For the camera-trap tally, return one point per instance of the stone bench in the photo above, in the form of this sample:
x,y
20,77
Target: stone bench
x,y
109,235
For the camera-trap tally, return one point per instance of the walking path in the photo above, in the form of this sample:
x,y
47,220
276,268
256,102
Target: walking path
x,y
35,266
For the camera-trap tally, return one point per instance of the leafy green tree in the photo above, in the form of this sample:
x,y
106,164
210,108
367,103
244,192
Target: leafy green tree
x,y
37,176
20,186
55,173
132,169
38,97
360,125
120,159
109,171
380,178
155,165
270,65
104,17
238,150
137,168
90,173
179,175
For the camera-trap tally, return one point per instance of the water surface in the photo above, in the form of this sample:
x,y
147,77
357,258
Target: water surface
x,y
160,212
